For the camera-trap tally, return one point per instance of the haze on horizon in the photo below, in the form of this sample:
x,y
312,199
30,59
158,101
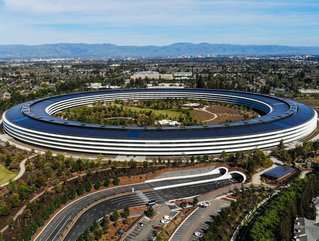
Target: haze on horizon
x,y
160,22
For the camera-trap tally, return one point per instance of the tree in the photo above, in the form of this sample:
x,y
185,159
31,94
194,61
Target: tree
x,y
116,181
106,223
12,186
192,159
1,237
145,164
15,199
195,200
115,216
126,212
11,222
133,164
106,182
97,185
88,186
4,210
24,190
150,212
72,194
80,189
7,161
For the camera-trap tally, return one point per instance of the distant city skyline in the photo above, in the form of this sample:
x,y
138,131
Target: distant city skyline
x,y
154,22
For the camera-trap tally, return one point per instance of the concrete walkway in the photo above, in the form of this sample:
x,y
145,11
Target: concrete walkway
x,y
256,179
21,172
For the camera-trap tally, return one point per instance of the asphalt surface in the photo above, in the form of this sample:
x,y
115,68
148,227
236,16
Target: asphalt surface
x,y
100,210
194,190
183,180
63,219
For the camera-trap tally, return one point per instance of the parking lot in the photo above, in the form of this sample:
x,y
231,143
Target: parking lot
x,y
198,221
147,230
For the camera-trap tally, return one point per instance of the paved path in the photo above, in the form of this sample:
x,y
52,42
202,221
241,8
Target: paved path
x,y
204,109
256,179
22,170
304,173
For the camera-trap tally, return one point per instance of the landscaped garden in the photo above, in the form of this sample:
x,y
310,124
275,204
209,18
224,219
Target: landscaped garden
x,y
167,112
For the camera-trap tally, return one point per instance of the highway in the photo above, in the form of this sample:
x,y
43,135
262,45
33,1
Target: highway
x,y
105,202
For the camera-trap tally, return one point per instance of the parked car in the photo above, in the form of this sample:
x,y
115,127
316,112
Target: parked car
x,y
198,234
164,221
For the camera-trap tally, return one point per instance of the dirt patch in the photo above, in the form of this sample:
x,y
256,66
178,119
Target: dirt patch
x,y
201,115
224,114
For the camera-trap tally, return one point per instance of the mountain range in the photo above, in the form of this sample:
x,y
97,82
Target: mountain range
x,y
74,50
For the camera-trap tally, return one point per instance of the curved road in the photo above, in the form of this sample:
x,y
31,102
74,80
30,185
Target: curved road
x,y
60,222
81,213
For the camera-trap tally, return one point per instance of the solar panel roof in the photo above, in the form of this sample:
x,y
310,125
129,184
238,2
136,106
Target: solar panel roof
x,y
279,172
285,114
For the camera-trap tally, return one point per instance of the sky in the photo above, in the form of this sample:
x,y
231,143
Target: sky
x,y
160,22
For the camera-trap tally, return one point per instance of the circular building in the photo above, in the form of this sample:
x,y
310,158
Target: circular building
x,y
281,119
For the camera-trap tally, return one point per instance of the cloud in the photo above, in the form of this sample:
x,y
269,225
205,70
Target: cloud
x,y
160,21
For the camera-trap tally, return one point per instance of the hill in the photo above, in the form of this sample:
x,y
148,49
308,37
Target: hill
x,y
174,50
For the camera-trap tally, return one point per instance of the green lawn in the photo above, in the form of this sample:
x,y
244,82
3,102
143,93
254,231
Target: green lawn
x,y
314,102
170,113
6,175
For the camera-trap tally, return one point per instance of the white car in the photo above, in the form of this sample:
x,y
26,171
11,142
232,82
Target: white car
x,y
167,217
204,204
198,234
164,221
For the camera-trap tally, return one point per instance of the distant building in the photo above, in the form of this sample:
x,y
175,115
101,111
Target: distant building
x,y
167,123
5,95
191,105
309,91
95,86
146,74
167,76
279,173
183,75
307,229
98,86
165,85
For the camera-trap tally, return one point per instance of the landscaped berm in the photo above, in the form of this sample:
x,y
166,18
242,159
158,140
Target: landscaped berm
x,y
6,175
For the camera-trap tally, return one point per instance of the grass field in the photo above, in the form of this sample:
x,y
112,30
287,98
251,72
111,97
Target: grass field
x,y
6,175
314,102
169,113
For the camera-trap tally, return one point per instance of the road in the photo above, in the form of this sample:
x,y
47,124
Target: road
x,y
100,210
68,216
59,223
183,180
193,190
